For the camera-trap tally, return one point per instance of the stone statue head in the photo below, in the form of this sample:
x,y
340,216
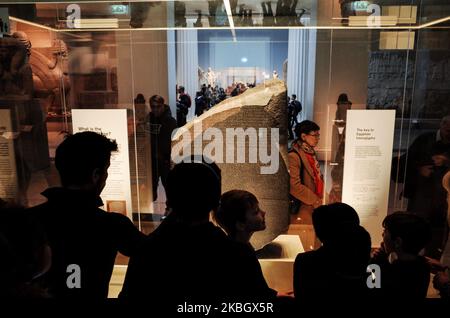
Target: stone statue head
x,y
23,38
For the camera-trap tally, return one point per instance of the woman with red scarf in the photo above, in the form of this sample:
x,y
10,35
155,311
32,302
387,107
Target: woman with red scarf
x,y
306,180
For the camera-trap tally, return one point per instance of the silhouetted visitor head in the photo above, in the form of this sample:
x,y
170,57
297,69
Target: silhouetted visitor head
x,y
294,97
157,105
193,189
239,211
405,233
83,160
343,99
445,129
308,131
26,255
181,89
351,244
140,99
326,218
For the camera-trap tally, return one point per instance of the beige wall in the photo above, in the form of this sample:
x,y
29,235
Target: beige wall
x,y
341,67
39,37
141,64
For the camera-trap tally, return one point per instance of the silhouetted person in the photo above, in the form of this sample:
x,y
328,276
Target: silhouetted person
x,y
297,109
431,199
338,268
422,176
290,115
140,108
306,180
26,255
162,124
81,234
187,255
183,104
240,216
405,274
200,104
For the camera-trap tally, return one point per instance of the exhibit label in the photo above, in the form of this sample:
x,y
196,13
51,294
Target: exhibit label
x,y
8,169
367,166
112,123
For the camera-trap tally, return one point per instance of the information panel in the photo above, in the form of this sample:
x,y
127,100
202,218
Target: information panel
x,y
367,166
8,170
113,124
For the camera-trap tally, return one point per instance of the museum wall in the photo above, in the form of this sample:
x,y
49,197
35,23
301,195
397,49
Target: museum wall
x,y
38,36
341,67
141,65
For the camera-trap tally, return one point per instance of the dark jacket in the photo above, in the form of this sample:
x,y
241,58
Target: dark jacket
x,y
161,129
296,106
178,260
200,105
185,99
407,280
80,233
321,275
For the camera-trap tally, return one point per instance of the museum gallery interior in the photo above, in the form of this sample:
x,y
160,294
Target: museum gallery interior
x,y
298,108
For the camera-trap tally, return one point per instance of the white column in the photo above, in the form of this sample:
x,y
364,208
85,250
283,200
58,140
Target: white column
x,y
187,64
301,68
171,72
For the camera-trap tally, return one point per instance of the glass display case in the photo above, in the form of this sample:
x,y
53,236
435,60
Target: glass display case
x,y
374,75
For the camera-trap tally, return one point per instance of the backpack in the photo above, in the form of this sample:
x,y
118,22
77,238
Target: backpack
x,y
297,107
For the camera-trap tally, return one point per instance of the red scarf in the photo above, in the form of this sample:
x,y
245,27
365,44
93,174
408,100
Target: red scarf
x,y
314,164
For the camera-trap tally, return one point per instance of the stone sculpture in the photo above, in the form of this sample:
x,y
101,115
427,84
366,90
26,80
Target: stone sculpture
x,y
259,110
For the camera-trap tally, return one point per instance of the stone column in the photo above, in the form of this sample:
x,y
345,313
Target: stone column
x,y
187,64
301,68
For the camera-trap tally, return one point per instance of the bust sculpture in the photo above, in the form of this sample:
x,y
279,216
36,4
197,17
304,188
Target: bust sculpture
x,y
211,77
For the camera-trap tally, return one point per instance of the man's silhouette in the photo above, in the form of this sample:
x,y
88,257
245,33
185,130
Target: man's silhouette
x,y
187,255
422,179
297,108
183,104
81,234
161,126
